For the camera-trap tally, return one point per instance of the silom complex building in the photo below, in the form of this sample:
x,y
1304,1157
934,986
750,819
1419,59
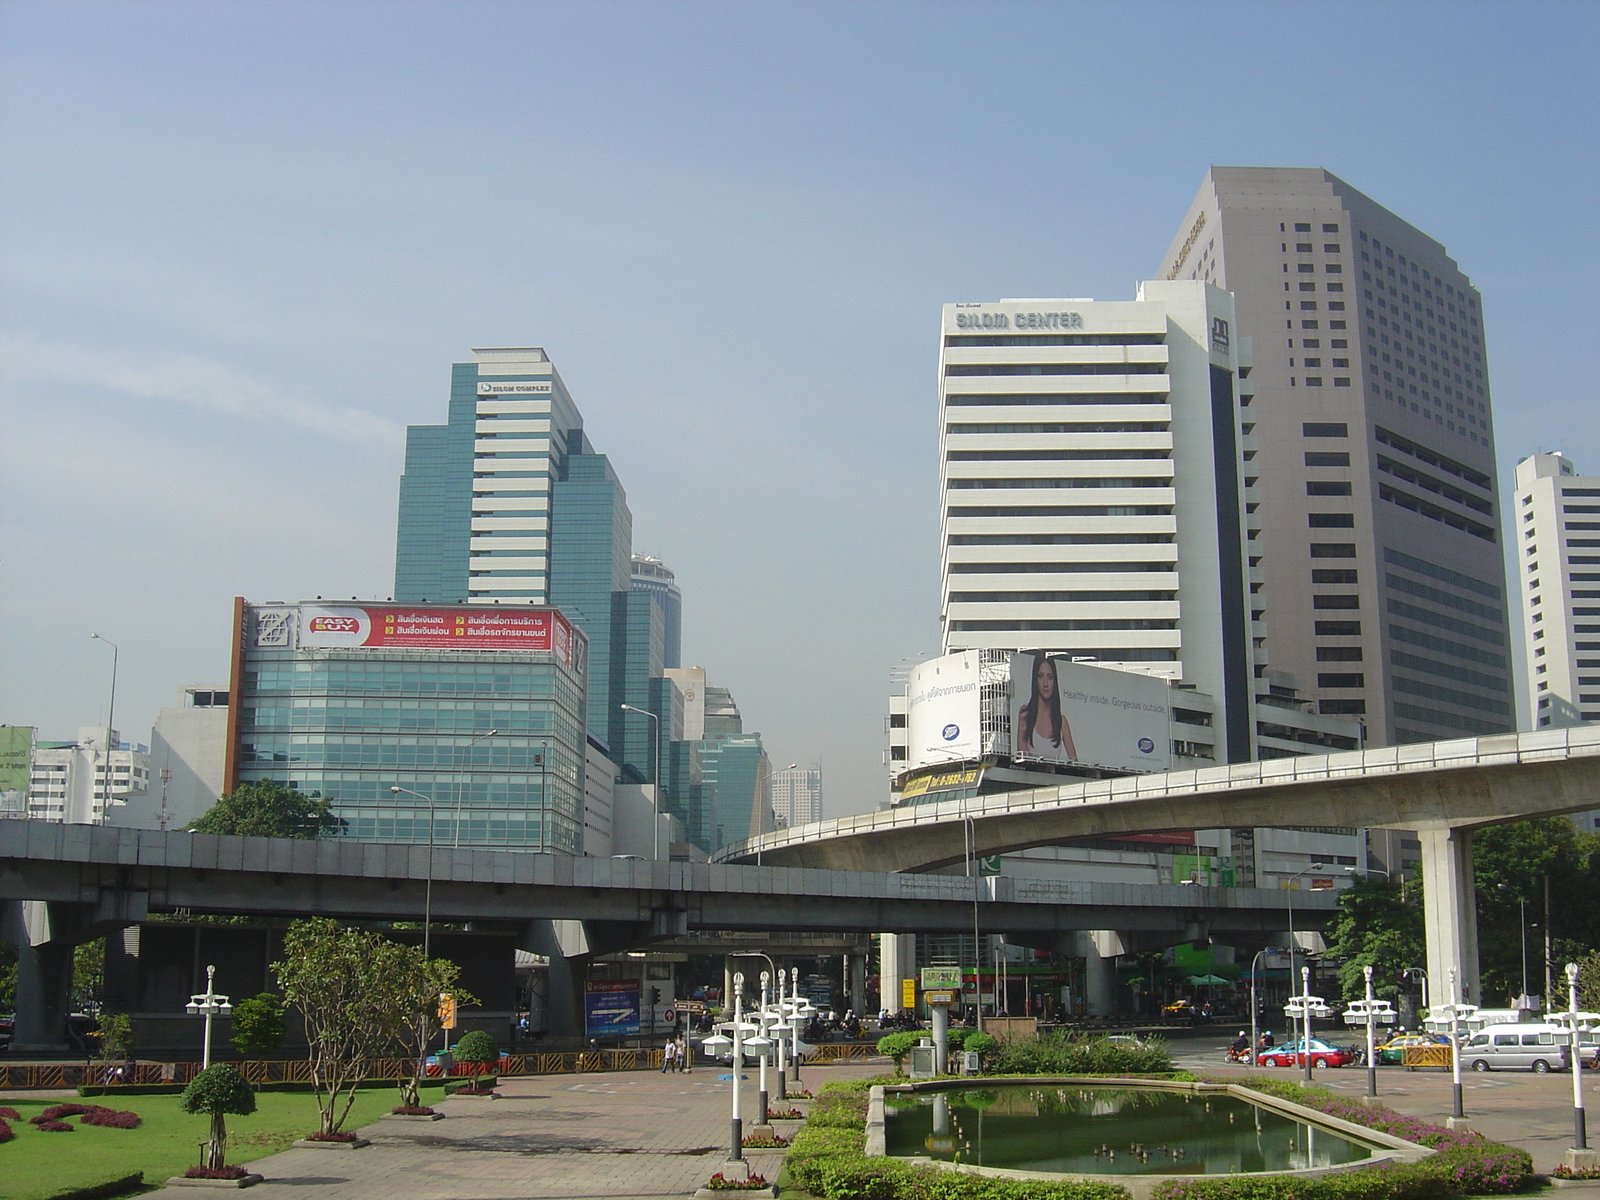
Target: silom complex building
x,y
1378,511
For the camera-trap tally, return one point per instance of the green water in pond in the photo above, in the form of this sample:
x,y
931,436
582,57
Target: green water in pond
x,y
1107,1131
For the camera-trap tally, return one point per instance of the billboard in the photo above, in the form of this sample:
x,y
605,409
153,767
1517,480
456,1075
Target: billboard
x,y
439,627
942,711
16,758
1067,712
611,1007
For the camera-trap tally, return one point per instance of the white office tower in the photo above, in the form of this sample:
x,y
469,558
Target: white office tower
x,y
68,780
1097,490
1558,549
797,796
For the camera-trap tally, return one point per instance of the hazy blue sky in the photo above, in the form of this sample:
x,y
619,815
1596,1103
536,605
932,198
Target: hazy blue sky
x,y
241,244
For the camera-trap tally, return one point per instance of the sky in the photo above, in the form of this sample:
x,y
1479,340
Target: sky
x,y
241,244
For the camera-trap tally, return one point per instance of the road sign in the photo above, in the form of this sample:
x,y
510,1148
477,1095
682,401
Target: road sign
x,y
689,1006
447,1011
908,993
941,977
939,997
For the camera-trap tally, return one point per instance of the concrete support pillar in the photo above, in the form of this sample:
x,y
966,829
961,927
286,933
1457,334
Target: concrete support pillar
x,y
1449,910
565,945
44,972
856,985
897,955
1101,948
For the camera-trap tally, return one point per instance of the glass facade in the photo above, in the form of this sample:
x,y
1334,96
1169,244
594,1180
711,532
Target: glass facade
x,y
737,774
435,527
349,724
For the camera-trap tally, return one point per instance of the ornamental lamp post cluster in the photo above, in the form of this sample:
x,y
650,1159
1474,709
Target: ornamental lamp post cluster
x,y
1305,1006
1580,1157
208,1004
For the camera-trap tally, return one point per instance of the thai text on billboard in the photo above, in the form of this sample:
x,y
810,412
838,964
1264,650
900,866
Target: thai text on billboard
x,y
942,710
1067,712
466,627
16,760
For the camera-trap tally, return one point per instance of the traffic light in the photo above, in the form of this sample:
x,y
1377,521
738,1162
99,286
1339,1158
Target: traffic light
x,y
447,1011
655,995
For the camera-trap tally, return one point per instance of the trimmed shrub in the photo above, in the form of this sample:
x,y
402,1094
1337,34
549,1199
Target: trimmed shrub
x,y
218,1092
476,1046
1076,1054
9,1114
814,1146
52,1126
897,1046
839,1109
5,1132
979,1042
110,1118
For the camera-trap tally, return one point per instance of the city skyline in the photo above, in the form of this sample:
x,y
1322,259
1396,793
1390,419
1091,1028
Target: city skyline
x,y
268,277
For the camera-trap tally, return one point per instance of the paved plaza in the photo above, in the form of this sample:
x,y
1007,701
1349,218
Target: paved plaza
x,y
563,1137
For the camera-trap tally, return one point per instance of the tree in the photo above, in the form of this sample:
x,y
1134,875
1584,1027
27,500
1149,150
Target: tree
x,y
334,977
416,984
116,1036
218,1092
897,1046
258,1026
1510,866
360,994
266,808
1379,925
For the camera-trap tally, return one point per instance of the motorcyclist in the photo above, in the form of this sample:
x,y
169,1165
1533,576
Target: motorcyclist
x,y
1241,1043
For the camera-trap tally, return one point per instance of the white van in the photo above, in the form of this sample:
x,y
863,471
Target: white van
x,y
1521,1046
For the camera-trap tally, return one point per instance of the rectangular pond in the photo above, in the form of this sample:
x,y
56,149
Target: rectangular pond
x,y
1108,1131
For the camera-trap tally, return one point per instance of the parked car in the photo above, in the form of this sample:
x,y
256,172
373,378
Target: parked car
x,y
1524,1047
1392,1050
1293,1054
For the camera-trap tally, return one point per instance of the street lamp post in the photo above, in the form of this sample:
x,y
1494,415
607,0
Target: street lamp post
x,y
655,801
1255,1011
736,1144
1580,1131
455,833
783,1090
1372,1061
210,1003
427,894
1305,1041
111,710
1455,1046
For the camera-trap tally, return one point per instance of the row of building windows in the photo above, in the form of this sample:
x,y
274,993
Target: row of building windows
x,y
1043,399
1084,597
1091,481
1058,568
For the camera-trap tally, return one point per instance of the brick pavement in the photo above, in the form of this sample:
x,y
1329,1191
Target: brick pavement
x,y
636,1134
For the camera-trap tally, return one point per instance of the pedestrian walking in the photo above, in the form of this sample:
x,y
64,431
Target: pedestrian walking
x,y
669,1056
685,1054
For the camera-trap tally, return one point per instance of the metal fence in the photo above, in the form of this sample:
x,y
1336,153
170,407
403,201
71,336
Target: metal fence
x,y
570,1062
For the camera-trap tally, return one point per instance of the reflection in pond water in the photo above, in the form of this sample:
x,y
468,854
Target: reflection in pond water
x,y
1108,1131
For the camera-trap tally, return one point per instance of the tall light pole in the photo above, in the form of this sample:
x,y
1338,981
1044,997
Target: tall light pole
x,y
970,836
455,838
1372,1061
736,1153
655,801
111,710
1455,1045
427,895
782,1089
1255,1011
210,1003
1316,866
1580,1130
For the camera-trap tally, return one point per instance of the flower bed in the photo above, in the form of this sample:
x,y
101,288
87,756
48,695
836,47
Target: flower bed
x,y
763,1141
10,1114
411,1110
5,1132
44,1126
330,1137
52,1118
721,1183
215,1173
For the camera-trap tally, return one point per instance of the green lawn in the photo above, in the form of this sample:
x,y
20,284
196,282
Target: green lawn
x,y
36,1165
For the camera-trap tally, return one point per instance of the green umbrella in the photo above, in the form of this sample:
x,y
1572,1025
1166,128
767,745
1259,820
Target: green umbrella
x,y
1198,979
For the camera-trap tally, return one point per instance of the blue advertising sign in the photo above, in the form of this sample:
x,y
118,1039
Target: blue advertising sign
x,y
611,1007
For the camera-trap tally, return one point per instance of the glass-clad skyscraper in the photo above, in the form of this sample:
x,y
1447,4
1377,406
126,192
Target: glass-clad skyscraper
x,y
350,701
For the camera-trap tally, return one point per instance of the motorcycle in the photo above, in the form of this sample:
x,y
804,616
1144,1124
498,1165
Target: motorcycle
x,y
1238,1056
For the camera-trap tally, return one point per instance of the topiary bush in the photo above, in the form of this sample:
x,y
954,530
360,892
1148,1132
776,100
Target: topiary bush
x,y
897,1046
257,1026
218,1092
476,1046
5,1132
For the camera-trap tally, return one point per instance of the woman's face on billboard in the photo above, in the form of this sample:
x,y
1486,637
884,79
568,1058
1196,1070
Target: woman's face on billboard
x,y
1045,679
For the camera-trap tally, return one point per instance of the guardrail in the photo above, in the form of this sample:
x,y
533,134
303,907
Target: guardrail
x,y
1425,1056
827,1052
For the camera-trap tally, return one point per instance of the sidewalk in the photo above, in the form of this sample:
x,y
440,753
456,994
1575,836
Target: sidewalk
x,y
568,1137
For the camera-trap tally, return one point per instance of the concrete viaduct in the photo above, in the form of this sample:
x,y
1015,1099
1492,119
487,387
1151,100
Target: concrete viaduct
x,y
1443,790
61,885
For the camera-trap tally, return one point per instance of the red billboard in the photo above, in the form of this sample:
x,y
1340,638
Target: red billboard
x,y
437,627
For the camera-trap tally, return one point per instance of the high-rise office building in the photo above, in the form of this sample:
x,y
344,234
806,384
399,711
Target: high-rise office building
x,y
476,713
1097,492
68,781
1557,532
1378,512
654,576
797,796
509,503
